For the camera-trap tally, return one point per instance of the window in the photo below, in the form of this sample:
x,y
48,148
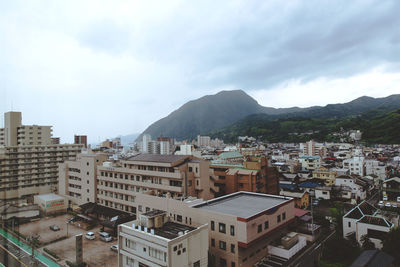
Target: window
x,y
212,225
284,216
222,228
196,264
259,228
222,262
349,224
233,264
266,225
175,248
179,218
232,230
222,245
278,219
212,242
233,248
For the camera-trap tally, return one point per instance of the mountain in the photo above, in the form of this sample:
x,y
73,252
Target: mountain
x,y
208,113
379,126
212,112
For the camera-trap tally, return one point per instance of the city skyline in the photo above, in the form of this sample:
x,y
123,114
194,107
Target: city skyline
x,y
113,69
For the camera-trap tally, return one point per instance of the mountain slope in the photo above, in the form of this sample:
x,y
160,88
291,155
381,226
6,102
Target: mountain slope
x,y
208,113
378,126
213,112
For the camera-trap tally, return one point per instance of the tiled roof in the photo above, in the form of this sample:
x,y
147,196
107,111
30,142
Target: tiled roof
x,y
375,221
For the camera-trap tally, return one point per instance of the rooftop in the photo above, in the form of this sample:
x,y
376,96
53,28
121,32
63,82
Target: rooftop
x,y
157,158
50,197
169,230
242,204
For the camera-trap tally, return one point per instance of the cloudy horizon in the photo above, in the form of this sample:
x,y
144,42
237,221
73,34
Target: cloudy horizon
x,y
109,68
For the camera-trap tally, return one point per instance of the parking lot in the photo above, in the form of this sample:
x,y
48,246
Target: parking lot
x,y
95,252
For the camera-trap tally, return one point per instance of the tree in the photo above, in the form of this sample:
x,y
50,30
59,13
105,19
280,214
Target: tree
x,y
337,214
366,243
391,244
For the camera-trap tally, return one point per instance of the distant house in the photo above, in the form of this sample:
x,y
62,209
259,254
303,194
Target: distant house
x,y
391,188
365,220
301,198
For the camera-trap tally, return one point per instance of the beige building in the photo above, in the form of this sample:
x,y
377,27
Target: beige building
x,y
174,176
31,170
78,178
154,240
325,174
16,134
50,203
28,159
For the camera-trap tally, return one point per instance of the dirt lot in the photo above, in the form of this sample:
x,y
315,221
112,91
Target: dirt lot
x,y
95,252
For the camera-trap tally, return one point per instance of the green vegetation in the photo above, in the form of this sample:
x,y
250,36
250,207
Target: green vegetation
x,y
378,127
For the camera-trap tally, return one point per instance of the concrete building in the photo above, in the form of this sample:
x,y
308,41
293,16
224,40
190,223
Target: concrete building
x,y
311,148
242,225
78,178
29,170
310,163
55,140
325,174
145,143
203,140
375,167
355,165
154,240
159,175
80,139
28,159
50,203
16,134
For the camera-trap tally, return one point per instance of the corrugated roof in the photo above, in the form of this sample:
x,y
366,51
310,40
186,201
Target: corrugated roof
x,y
158,158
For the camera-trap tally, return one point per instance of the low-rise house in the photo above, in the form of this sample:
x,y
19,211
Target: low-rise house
x,y
301,198
364,220
350,182
326,175
391,188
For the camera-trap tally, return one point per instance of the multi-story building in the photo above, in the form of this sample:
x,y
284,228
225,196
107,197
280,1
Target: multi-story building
x,y
29,170
325,174
154,240
16,134
145,143
174,176
203,140
28,159
80,139
242,225
78,178
310,163
55,140
312,148
253,175
355,165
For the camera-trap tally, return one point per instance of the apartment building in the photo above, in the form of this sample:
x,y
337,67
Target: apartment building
x,y
311,148
253,175
355,165
154,240
203,140
78,178
310,163
28,159
174,176
16,134
29,170
80,139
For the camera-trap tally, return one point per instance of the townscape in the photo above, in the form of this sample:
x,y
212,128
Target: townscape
x,y
201,202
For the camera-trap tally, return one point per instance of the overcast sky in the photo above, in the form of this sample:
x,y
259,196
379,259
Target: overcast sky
x,y
105,68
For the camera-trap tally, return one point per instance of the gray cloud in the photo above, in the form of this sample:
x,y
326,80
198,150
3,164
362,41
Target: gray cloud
x,y
129,64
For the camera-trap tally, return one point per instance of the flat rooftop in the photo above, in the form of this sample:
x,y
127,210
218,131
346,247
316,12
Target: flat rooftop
x,y
242,204
170,230
157,158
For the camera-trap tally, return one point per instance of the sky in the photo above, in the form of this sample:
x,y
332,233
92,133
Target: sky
x,y
109,68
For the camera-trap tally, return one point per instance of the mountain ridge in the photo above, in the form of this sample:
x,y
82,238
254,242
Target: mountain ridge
x,y
212,112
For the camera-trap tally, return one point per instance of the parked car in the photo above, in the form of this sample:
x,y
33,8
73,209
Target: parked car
x,y
388,204
398,199
90,236
394,205
315,202
381,204
54,228
385,198
70,220
114,248
104,236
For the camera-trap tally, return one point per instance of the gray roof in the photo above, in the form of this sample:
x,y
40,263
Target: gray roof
x,y
50,197
157,158
242,204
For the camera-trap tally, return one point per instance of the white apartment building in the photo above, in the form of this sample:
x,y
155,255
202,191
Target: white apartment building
x,y
78,178
154,240
355,165
375,167
311,148
145,143
310,163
